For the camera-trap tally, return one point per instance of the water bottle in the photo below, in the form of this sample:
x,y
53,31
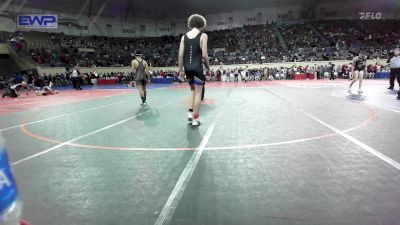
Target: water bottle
x,y
10,205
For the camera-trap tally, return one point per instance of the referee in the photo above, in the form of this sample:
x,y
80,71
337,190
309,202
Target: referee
x,y
76,80
395,70
392,68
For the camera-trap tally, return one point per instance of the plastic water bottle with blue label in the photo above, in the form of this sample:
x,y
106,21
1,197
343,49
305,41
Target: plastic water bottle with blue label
x,y
10,205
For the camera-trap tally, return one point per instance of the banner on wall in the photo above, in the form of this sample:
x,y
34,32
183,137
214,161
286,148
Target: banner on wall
x,y
37,21
370,15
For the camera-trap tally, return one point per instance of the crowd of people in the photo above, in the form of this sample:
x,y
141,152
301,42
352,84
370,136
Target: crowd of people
x,y
329,70
315,41
373,38
116,52
65,78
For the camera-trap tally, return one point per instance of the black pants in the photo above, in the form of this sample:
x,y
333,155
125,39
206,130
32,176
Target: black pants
x,y
394,73
78,83
332,76
74,82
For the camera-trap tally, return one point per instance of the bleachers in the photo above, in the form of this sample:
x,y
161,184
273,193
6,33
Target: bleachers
x,y
372,37
316,41
38,40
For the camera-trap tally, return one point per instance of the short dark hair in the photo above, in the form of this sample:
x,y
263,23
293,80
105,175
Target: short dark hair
x,y
196,21
137,52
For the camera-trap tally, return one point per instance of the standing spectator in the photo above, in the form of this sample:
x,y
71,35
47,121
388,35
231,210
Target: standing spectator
x,y
394,68
331,69
308,72
76,80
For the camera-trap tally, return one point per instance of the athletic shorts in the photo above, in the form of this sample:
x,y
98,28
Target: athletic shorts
x,y
195,78
141,82
358,74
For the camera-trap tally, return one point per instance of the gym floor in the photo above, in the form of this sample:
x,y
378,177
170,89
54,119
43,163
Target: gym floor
x,y
278,152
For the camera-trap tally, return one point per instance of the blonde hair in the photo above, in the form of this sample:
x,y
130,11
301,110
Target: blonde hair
x,y
197,21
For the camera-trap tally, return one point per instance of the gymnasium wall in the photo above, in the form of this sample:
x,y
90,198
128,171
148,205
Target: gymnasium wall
x,y
71,24
327,10
389,9
228,20
8,66
134,27
7,24
4,49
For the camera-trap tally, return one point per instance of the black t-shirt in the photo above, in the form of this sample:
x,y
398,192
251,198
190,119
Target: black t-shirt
x,y
360,63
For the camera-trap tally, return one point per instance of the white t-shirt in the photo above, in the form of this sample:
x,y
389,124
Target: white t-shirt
x,y
74,73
